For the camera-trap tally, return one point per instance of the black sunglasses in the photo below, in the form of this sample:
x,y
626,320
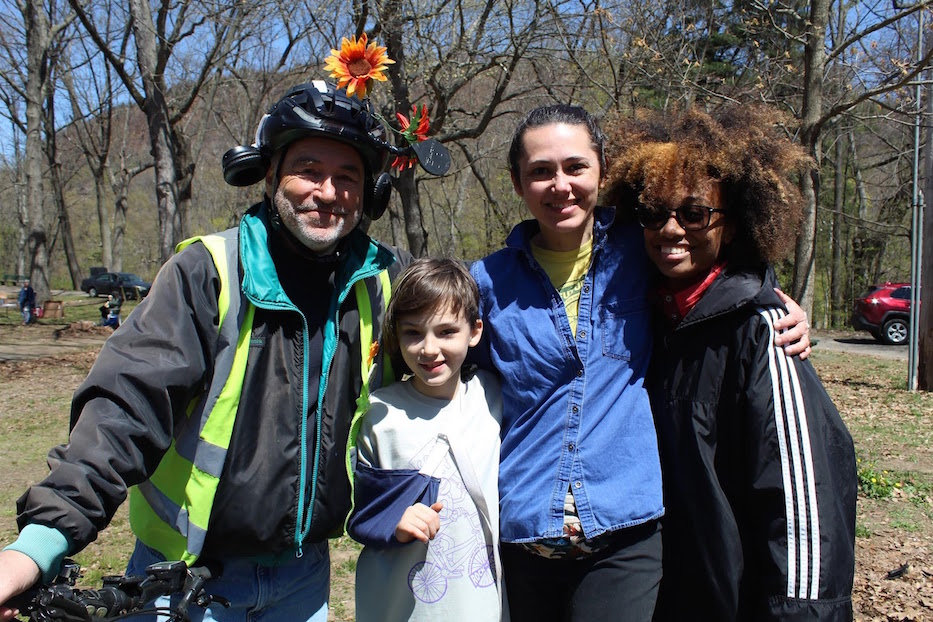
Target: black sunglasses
x,y
689,217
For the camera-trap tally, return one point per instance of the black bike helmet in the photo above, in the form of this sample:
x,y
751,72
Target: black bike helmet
x,y
307,110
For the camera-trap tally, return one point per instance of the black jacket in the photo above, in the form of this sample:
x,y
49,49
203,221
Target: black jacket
x,y
759,469
161,359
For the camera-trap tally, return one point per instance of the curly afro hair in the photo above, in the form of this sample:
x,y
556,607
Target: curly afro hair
x,y
741,146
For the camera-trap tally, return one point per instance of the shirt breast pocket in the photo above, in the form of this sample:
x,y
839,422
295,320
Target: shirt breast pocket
x,y
626,330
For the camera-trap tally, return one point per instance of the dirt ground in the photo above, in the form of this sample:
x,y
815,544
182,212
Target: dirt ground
x,y
894,535
19,343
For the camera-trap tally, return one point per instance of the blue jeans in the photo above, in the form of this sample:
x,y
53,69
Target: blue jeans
x,y
295,589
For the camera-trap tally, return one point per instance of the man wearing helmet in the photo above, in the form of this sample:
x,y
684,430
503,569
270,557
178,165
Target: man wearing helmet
x,y
223,404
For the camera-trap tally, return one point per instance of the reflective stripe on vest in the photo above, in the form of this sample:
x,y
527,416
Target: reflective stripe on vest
x,y
170,512
372,358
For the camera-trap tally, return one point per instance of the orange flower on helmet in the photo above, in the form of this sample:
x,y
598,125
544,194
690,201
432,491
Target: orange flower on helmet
x,y
357,65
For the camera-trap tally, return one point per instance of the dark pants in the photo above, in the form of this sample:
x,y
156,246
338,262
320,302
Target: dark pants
x,y
618,583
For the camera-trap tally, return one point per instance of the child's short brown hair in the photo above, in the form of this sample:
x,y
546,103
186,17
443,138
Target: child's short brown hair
x,y
426,286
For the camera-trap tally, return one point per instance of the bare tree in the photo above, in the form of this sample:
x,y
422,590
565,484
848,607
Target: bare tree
x,y
466,78
100,129
28,74
752,50
10,95
194,34
92,123
815,114
58,179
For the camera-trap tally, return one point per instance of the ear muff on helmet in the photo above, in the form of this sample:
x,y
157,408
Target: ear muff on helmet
x,y
244,166
377,195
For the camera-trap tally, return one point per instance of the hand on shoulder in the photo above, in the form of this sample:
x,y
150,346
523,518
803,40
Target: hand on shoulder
x,y
796,337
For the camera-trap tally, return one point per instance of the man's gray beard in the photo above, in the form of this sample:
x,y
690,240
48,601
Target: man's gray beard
x,y
317,243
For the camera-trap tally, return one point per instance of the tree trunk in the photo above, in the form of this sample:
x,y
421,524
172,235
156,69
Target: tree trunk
x,y
838,307
119,228
68,244
415,233
22,212
104,221
37,45
811,110
160,131
96,154
184,180
58,194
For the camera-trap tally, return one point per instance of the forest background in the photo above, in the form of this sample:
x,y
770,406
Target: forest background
x,y
114,116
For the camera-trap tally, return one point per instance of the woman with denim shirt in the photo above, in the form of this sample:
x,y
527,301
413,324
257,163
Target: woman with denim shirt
x,y
569,331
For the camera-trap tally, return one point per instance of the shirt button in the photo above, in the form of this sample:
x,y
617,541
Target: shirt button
x,y
578,485
668,298
579,373
583,334
570,447
575,409
586,289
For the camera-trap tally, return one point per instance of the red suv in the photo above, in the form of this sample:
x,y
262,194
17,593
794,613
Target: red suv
x,y
884,311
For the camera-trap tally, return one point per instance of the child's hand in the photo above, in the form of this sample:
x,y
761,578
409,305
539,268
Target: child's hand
x,y
419,522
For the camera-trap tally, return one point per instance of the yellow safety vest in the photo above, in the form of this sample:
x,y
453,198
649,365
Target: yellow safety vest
x,y
170,511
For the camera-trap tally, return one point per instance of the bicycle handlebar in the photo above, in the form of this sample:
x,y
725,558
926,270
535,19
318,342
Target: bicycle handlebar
x,y
118,597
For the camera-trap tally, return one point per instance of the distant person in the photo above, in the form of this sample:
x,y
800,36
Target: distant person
x,y
27,303
427,496
110,311
758,467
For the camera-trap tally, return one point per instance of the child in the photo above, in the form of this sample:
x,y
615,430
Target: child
x,y
426,489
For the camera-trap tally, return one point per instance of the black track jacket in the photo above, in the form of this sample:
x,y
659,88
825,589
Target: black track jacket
x,y
759,469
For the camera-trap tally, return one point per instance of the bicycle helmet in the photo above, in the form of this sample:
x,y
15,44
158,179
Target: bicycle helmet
x,y
315,108
319,108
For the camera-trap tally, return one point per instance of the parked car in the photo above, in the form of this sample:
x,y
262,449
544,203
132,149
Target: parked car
x,y
128,286
884,311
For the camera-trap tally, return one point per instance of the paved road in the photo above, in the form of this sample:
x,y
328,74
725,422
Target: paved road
x,y
856,343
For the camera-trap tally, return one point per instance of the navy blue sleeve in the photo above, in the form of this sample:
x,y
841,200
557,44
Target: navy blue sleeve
x,y
381,497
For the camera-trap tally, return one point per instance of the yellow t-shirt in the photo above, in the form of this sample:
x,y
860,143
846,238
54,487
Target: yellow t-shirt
x,y
566,269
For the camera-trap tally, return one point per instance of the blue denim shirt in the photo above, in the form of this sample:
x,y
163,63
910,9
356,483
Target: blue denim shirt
x,y
576,413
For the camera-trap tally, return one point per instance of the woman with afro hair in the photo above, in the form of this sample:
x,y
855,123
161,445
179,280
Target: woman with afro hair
x,y
758,468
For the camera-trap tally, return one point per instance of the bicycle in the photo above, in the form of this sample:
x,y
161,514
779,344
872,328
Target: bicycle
x,y
118,598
